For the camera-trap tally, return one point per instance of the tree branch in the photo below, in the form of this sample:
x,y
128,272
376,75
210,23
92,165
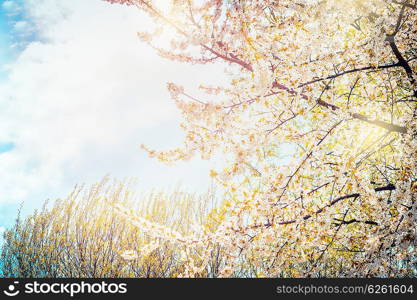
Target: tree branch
x,y
388,187
405,3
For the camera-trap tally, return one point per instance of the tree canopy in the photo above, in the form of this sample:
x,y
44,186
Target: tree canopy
x,y
84,236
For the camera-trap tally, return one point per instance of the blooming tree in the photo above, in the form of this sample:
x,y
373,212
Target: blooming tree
x,y
318,125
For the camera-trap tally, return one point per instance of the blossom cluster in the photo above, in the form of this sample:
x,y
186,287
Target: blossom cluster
x,y
317,125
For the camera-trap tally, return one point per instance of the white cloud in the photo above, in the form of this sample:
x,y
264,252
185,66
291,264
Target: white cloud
x,y
79,102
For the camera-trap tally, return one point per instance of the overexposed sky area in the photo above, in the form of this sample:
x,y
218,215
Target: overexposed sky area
x,y
78,94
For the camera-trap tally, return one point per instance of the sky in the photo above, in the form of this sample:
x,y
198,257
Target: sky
x,y
79,93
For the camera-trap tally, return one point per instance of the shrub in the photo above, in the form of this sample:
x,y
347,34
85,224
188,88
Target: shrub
x,y
84,236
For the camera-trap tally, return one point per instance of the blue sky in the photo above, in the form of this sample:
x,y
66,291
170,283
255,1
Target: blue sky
x,y
78,94
7,54
5,39
12,40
